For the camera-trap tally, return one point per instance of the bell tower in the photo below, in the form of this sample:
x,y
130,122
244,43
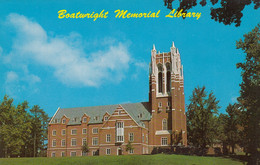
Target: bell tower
x,y
166,97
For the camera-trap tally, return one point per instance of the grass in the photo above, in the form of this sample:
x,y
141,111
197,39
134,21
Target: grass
x,y
121,160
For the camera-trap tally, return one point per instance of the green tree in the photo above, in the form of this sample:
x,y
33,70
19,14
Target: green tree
x,y
232,126
227,11
129,146
85,148
201,119
250,91
39,132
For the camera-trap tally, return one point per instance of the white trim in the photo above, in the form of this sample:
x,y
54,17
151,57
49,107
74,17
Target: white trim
x,y
120,119
93,130
83,132
162,141
55,143
164,119
72,130
109,151
64,153
55,132
62,132
129,136
61,143
83,140
93,141
71,142
73,151
163,132
109,138
54,115
54,154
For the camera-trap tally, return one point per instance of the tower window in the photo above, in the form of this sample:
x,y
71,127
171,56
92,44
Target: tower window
x,y
160,79
168,80
164,124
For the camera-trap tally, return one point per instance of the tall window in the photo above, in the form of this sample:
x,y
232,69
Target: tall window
x,y
119,132
63,132
54,143
164,124
168,80
73,132
131,137
108,139
84,131
108,151
54,133
160,78
95,130
73,142
84,141
63,142
95,141
164,141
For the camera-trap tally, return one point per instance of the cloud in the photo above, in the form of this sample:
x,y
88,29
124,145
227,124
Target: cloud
x,y
69,61
11,77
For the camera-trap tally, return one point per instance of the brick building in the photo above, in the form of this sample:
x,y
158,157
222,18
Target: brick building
x,y
147,126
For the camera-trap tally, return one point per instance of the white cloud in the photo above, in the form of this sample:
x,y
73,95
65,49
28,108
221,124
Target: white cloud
x,y
70,63
11,77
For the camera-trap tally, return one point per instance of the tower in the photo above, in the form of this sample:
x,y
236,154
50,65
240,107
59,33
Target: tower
x,y
166,97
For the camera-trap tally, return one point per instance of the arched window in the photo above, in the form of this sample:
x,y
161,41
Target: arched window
x,y
164,124
160,78
168,79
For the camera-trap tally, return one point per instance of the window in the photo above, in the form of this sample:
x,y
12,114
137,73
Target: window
x,y
143,138
95,130
84,131
131,151
164,124
53,154
106,118
164,141
84,153
160,78
108,151
73,132
131,137
119,132
63,132
146,138
108,139
73,142
54,143
95,153
54,133
84,141
96,118
160,104
63,142
84,119
95,141
63,121
62,154
168,77
73,153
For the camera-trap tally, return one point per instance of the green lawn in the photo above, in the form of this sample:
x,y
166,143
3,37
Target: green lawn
x,y
120,160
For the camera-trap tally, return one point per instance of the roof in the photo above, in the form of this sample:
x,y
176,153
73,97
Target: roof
x,y
96,113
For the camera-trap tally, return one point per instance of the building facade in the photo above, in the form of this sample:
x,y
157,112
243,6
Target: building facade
x,y
135,128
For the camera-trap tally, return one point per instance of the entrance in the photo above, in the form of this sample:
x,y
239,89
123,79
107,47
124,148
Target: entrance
x,y
119,151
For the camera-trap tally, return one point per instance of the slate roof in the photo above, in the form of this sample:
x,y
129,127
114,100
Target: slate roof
x,y
75,114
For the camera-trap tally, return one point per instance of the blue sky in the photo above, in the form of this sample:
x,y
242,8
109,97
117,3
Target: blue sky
x,y
55,62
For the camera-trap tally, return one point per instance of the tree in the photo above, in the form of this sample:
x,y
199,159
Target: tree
x,y
227,11
39,130
177,137
232,126
129,146
85,148
201,119
250,91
